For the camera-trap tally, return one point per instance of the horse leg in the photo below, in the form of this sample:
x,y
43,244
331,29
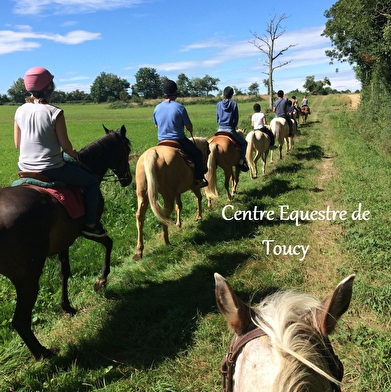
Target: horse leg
x,y
256,159
100,283
229,176
197,192
168,207
178,208
27,291
235,181
264,157
140,218
280,148
65,272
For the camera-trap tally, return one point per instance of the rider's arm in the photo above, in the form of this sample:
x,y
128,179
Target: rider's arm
x,y
62,134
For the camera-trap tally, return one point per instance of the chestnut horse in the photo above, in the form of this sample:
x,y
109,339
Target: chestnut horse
x,y
280,129
35,225
304,112
283,344
224,152
258,143
163,170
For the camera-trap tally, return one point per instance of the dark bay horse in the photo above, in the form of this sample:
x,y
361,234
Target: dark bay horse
x,y
163,170
34,225
283,344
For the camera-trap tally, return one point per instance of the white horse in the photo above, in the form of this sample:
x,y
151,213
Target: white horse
x,y
280,128
258,143
282,345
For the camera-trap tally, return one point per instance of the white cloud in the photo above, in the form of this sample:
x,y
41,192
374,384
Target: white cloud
x,y
26,39
34,7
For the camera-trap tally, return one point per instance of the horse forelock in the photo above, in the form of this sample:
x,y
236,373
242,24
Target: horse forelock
x,y
289,320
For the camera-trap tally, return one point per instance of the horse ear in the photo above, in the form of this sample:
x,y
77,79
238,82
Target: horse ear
x,y
236,312
123,131
334,306
106,130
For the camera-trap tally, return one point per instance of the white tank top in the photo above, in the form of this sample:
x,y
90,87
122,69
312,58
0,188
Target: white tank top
x,y
39,146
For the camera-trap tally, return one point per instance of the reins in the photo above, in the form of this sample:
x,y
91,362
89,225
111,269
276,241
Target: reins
x,y
227,367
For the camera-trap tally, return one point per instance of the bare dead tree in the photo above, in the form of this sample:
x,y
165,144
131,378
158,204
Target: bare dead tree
x,y
267,44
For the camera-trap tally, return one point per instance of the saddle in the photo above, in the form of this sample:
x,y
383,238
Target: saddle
x,y
174,144
229,136
71,197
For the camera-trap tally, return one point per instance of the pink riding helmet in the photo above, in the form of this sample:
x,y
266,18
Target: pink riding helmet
x,y
37,78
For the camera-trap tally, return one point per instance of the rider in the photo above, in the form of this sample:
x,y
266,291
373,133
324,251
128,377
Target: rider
x,y
40,133
280,107
258,122
170,118
227,116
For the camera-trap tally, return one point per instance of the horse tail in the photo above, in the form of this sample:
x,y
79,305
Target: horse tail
x,y
150,165
250,149
211,189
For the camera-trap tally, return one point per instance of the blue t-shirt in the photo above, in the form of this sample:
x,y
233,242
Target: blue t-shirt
x,y
171,118
281,107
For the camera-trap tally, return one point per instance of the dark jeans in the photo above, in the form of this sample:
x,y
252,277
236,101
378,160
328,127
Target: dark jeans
x,y
73,175
268,133
196,155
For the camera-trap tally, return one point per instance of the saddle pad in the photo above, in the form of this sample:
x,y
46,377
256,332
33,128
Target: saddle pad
x,y
70,199
175,144
228,135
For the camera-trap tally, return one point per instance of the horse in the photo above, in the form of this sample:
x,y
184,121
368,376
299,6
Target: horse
x,y
304,112
283,344
280,129
259,143
224,152
163,170
35,225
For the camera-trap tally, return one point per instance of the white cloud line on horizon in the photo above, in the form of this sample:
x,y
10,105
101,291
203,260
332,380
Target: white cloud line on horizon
x,y
48,7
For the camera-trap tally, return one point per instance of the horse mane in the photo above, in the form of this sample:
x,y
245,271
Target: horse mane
x,y
202,144
100,147
289,319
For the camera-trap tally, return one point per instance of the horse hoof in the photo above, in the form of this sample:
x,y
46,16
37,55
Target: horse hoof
x,y
100,285
137,257
47,353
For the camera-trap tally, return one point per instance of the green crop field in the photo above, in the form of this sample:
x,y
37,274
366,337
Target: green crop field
x,y
156,327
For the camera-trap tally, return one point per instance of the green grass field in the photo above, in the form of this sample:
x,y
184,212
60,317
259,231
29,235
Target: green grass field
x,y
156,328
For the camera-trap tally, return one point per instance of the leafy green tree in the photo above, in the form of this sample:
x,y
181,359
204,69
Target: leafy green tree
x,y
360,32
108,85
183,83
148,83
317,87
253,89
18,92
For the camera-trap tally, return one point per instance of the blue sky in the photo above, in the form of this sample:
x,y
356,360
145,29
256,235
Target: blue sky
x,y
78,39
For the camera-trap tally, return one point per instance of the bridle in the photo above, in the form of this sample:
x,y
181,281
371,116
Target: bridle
x,y
227,367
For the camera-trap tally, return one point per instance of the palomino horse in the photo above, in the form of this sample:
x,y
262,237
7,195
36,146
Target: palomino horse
x,y
259,143
304,112
35,225
163,170
280,129
282,345
224,152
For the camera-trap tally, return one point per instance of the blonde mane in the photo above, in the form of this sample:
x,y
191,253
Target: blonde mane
x,y
289,319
